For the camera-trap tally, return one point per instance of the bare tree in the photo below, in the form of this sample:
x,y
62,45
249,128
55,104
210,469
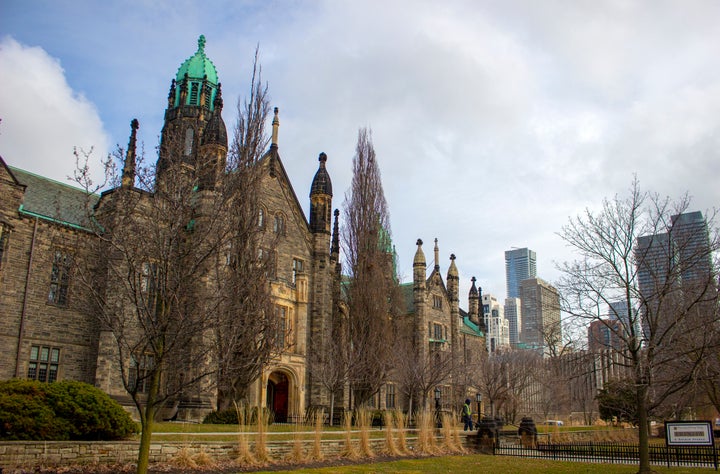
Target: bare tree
x,y
419,372
248,329
174,274
150,251
331,369
639,250
373,287
506,380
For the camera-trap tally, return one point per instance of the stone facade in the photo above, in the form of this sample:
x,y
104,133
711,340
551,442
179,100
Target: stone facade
x,y
48,328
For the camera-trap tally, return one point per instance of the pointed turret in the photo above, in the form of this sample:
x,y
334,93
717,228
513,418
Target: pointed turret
x,y
419,266
275,127
473,302
453,289
481,311
128,176
320,198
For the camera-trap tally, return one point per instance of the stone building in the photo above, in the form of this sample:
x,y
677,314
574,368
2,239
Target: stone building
x,y
48,327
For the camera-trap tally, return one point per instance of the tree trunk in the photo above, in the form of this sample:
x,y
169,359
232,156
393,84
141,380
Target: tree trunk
x,y
643,434
147,419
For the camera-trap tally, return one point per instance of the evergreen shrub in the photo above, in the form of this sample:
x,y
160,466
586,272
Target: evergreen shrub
x,y
66,410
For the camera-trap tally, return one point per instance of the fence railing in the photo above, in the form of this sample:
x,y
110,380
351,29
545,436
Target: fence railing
x,y
618,453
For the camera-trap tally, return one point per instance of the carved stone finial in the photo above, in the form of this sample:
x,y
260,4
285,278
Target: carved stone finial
x,y
419,242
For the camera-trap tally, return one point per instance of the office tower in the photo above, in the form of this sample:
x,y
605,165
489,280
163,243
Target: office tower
x,y
540,306
513,314
520,264
677,262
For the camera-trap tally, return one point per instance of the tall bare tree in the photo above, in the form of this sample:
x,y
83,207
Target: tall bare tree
x,y
372,290
419,372
247,326
152,250
636,249
174,275
331,368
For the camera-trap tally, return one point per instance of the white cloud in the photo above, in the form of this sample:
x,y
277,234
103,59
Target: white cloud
x,y
42,117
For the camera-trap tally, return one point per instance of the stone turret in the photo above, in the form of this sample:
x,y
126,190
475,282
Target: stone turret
x,y
453,288
128,175
194,143
473,302
321,199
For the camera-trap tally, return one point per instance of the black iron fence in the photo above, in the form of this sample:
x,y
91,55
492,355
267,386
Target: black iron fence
x,y
618,453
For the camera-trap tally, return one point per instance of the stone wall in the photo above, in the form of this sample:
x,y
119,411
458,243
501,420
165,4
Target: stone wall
x,y
32,454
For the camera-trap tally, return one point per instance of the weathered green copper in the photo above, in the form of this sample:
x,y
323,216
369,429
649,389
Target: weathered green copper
x,y
198,65
196,74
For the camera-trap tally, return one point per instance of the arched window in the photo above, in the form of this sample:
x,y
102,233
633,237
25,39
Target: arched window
x,y
279,225
261,218
188,141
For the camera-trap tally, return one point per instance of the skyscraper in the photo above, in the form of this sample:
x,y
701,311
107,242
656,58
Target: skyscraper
x,y
513,314
520,264
678,261
540,307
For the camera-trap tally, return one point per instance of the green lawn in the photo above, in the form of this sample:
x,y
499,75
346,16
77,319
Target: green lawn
x,y
479,463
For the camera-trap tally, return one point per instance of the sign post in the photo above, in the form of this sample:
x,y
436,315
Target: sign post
x,y
689,433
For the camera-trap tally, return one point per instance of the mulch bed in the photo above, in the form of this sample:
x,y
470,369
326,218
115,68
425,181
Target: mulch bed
x,y
217,468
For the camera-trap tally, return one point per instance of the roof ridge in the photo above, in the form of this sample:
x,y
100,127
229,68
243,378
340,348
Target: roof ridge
x,y
51,180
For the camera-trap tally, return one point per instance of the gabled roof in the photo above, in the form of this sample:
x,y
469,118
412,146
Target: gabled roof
x,y
10,172
272,160
54,201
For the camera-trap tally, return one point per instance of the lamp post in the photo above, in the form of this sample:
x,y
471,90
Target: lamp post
x,y
478,399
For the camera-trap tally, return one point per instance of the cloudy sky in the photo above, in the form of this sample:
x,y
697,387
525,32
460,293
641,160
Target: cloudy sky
x,y
493,121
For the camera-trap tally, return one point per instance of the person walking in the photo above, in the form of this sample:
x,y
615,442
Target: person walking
x,y
467,415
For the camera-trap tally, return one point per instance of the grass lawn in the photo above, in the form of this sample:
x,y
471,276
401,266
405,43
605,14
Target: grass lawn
x,y
479,463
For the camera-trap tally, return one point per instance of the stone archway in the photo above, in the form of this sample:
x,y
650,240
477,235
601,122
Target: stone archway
x,y
278,396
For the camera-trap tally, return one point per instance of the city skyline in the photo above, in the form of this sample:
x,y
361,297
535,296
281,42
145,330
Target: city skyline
x,y
492,123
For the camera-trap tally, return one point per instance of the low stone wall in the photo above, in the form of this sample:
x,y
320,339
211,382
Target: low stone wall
x,y
30,454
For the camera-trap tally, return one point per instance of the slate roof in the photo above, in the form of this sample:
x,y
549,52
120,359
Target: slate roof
x,y
52,200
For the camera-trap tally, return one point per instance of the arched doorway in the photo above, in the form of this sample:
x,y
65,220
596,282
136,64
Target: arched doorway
x,y
278,389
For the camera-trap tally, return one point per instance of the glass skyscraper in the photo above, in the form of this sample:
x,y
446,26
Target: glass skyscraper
x,y
520,264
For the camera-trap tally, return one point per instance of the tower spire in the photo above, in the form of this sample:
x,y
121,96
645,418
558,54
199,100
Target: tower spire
x,y
437,255
128,176
275,127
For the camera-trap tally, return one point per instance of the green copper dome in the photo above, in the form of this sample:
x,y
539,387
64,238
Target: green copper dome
x,y
198,65
196,83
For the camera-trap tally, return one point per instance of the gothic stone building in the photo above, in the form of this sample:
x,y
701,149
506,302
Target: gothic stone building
x,y
48,330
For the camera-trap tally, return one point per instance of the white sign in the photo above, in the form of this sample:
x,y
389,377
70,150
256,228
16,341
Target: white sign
x,y
688,433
